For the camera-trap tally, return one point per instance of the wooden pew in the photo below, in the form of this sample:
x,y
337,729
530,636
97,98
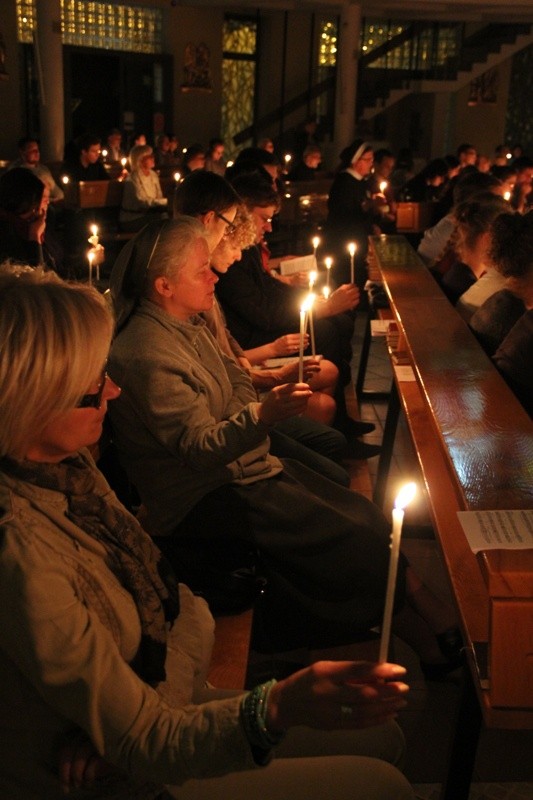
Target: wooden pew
x,y
474,443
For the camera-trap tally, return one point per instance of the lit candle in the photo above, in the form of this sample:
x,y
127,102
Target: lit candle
x,y
93,239
328,262
177,177
229,164
90,256
315,241
312,279
65,179
507,196
352,247
382,186
405,496
287,157
104,153
326,291
301,349
124,161
310,302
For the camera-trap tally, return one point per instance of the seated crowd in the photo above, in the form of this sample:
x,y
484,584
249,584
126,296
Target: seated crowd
x,y
239,466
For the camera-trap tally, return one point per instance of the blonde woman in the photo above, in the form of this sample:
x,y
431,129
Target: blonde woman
x,y
142,199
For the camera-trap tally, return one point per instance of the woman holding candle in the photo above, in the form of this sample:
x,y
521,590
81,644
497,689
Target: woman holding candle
x,y
103,657
194,442
142,199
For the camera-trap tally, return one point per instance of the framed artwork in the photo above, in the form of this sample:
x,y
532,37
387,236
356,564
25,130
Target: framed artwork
x,y
484,90
196,68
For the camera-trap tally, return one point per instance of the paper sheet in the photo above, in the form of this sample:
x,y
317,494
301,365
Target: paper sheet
x,y
299,264
404,374
498,530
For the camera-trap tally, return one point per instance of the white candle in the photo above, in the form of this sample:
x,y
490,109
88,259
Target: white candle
x,y
301,350
352,247
405,496
310,302
90,256
328,262
315,241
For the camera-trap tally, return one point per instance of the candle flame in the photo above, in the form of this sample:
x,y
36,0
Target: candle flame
x,y
65,179
104,153
312,278
90,256
315,241
287,157
123,161
382,186
177,176
352,248
507,196
405,495
94,230
307,304
326,291
328,262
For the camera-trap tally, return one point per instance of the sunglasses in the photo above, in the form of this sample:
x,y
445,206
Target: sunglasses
x,y
230,227
94,400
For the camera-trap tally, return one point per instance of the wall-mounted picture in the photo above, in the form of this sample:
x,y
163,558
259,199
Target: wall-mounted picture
x,y
484,89
196,69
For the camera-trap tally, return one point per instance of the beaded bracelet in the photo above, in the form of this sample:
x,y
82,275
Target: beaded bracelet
x,y
253,716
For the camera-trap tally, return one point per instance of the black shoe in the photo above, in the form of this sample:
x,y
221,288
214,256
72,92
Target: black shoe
x,y
355,427
361,450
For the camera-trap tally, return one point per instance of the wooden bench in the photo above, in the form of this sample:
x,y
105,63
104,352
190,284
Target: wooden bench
x,y
474,443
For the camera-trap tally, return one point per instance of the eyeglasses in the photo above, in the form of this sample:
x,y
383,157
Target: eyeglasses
x,y
230,227
94,400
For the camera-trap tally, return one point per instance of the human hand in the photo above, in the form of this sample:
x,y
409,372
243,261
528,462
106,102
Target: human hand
x,y
337,694
282,402
80,764
288,344
342,299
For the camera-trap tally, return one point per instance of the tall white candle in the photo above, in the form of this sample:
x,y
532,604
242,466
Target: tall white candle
x,y
301,349
403,499
310,302
352,247
90,256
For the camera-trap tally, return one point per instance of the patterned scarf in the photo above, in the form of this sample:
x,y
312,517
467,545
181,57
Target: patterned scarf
x,y
132,556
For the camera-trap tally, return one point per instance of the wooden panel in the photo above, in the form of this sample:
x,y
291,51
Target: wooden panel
x,y
230,653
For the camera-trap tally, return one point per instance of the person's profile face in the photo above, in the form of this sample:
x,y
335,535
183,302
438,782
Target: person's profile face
x,y
92,153
262,217
31,153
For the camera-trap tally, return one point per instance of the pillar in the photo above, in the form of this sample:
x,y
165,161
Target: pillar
x,y
49,65
347,66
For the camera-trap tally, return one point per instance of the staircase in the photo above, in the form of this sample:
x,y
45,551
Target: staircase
x,y
380,88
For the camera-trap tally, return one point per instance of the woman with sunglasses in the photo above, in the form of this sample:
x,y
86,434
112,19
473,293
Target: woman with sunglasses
x,y
102,657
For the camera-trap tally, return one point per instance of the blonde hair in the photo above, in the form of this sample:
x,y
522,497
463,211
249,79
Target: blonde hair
x,y
137,153
245,233
54,339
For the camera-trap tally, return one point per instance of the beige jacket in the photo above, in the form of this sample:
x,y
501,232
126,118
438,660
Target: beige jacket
x,y
67,632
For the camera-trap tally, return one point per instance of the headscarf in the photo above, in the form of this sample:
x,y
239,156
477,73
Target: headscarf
x,y
353,152
128,276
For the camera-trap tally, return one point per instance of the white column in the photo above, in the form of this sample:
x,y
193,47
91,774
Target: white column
x,y
347,64
49,66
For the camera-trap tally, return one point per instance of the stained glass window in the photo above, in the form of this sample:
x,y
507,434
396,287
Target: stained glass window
x,y
239,40
96,24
